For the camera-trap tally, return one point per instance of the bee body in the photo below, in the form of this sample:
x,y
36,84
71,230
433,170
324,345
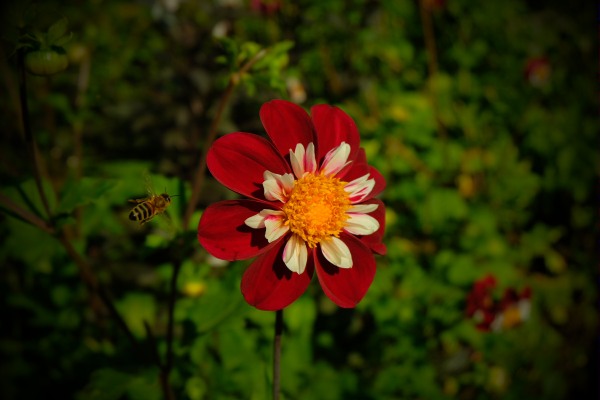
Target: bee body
x,y
149,207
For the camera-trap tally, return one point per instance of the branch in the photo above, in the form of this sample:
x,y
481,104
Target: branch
x,y
163,375
198,180
165,369
25,215
85,270
432,64
429,38
97,292
95,288
27,131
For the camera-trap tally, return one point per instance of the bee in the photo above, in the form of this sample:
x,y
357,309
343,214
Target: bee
x,y
149,207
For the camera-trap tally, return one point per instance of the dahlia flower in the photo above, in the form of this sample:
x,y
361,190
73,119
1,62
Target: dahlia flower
x,y
310,207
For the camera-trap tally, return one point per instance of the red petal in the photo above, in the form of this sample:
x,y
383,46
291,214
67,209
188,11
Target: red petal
x,y
238,160
333,127
287,124
379,182
269,285
347,286
375,240
223,234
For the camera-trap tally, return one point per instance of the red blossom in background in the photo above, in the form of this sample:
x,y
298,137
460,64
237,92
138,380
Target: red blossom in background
x,y
266,7
434,5
513,310
311,207
537,71
490,314
480,303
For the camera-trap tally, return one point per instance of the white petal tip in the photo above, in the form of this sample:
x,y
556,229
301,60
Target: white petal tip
x,y
337,252
295,254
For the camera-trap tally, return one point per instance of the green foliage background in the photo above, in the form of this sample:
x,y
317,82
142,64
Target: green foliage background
x,y
487,172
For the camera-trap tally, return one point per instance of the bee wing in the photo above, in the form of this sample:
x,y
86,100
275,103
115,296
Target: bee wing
x,y
148,184
136,201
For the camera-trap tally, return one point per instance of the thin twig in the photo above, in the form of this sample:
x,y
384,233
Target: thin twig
x,y
170,323
166,368
24,214
277,353
153,343
98,295
10,83
104,296
432,64
429,35
28,134
163,377
83,81
85,270
198,179
95,287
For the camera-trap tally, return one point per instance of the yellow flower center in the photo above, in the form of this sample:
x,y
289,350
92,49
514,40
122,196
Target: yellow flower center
x,y
316,208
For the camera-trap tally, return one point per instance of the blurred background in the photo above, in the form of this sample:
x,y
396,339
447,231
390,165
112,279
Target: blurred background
x,y
481,116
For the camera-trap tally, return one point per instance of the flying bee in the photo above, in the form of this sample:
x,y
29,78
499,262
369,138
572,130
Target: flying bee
x,y
149,207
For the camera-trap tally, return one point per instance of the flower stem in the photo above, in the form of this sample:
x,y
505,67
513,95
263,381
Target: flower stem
x,y
277,353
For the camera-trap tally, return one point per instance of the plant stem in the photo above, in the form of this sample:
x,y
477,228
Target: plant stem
x,y
432,65
99,297
94,287
85,270
152,339
168,365
429,35
198,179
200,171
277,353
27,131
97,292
24,214
164,378
83,81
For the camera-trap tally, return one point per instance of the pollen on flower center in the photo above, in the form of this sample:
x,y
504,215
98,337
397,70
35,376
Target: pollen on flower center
x,y
316,208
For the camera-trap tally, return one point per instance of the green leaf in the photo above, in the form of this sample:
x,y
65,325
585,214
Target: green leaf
x,y
276,56
31,245
137,308
106,384
60,42
57,30
461,269
145,386
441,206
111,384
213,308
230,49
195,387
85,191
